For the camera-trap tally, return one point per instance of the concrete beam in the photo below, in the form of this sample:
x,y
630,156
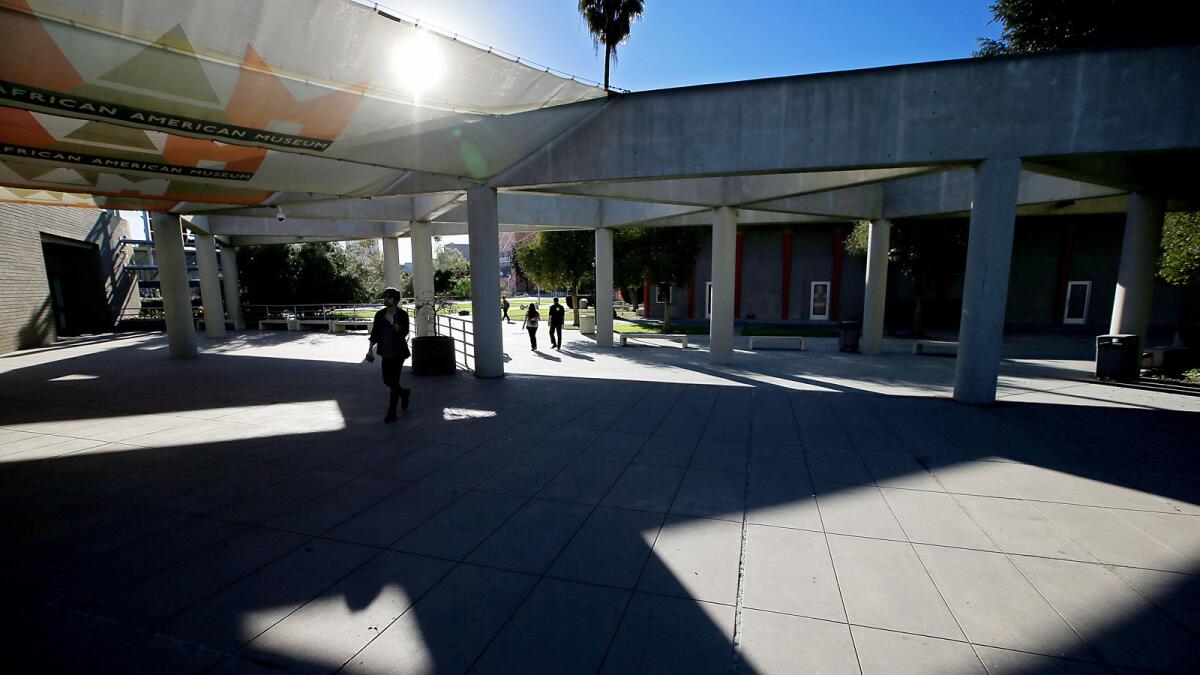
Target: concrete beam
x,y
1133,100
950,192
299,227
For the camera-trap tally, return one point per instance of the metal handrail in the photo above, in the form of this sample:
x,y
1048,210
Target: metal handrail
x,y
462,333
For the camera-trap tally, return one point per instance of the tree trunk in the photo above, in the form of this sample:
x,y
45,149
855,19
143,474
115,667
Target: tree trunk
x,y
667,315
575,305
607,59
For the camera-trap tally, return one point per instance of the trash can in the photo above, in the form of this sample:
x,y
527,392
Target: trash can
x,y
848,336
587,324
1117,357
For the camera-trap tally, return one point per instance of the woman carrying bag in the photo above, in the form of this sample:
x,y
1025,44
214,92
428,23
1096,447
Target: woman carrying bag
x,y
531,324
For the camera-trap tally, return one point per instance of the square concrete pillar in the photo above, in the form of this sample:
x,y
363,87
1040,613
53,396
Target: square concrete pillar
x,y
604,287
1139,263
724,266
422,252
875,296
210,282
233,291
985,285
483,230
173,280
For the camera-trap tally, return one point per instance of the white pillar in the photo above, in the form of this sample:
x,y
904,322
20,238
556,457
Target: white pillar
x,y
392,273
422,254
173,279
210,284
878,247
483,230
233,292
1139,258
604,287
985,284
724,264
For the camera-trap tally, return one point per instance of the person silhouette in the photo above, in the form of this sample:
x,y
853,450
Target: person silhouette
x,y
557,317
531,323
388,338
504,309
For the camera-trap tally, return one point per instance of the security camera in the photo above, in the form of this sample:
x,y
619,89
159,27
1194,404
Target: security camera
x,y
279,214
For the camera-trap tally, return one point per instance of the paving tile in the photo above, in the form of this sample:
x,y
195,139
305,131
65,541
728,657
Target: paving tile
x,y
779,643
1112,539
330,629
695,558
1008,661
584,481
899,471
935,518
181,586
711,494
995,604
783,502
242,611
526,476
858,510
420,463
660,634
884,585
790,571
662,450
532,538
886,652
385,522
719,455
645,487
273,501
1176,594
778,460
837,466
563,627
472,468
335,506
1181,533
447,629
456,530
615,446
971,477
1018,526
1111,617
610,548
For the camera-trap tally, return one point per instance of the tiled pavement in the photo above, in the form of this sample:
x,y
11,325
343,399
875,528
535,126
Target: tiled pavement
x,y
247,511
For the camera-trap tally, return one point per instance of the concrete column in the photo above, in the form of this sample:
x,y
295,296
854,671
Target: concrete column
x,y
724,264
483,230
392,272
604,287
172,277
1135,277
878,245
233,292
210,285
422,253
985,285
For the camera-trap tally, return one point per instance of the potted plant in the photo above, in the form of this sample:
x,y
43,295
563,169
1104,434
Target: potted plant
x,y
432,354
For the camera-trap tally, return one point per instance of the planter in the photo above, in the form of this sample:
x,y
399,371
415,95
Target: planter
x,y
433,355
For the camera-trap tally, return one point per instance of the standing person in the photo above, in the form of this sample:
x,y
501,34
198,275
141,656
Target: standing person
x,y
504,308
388,338
557,317
531,322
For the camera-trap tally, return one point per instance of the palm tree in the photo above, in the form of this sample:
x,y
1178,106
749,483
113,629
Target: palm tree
x,y
608,22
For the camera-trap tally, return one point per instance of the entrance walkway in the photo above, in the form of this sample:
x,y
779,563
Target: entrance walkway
x,y
624,510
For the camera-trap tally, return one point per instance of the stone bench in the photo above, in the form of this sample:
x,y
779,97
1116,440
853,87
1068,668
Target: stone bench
x,y
778,340
288,324
682,337
920,346
325,323
229,323
341,325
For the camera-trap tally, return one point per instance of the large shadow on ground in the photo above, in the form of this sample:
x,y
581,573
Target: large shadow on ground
x,y
177,549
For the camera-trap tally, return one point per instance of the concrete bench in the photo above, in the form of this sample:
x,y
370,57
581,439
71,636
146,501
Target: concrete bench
x,y
229,323
682,337
778,340
920,346
341,325
325,323
288,324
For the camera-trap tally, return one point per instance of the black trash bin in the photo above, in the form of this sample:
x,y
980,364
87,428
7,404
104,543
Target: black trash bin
x,y
1118,357
849,335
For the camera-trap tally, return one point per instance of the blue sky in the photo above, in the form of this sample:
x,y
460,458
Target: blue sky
x,y
680,42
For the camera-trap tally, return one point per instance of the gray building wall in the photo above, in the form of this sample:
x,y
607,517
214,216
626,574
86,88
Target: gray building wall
x,y
26,310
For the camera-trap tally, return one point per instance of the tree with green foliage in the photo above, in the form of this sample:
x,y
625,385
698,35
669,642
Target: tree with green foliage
x,y
629,263
926,252
448,268
660,255
1180,266
609,21
565,259
1031,26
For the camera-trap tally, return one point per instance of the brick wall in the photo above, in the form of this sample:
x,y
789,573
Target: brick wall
x,y
26,313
